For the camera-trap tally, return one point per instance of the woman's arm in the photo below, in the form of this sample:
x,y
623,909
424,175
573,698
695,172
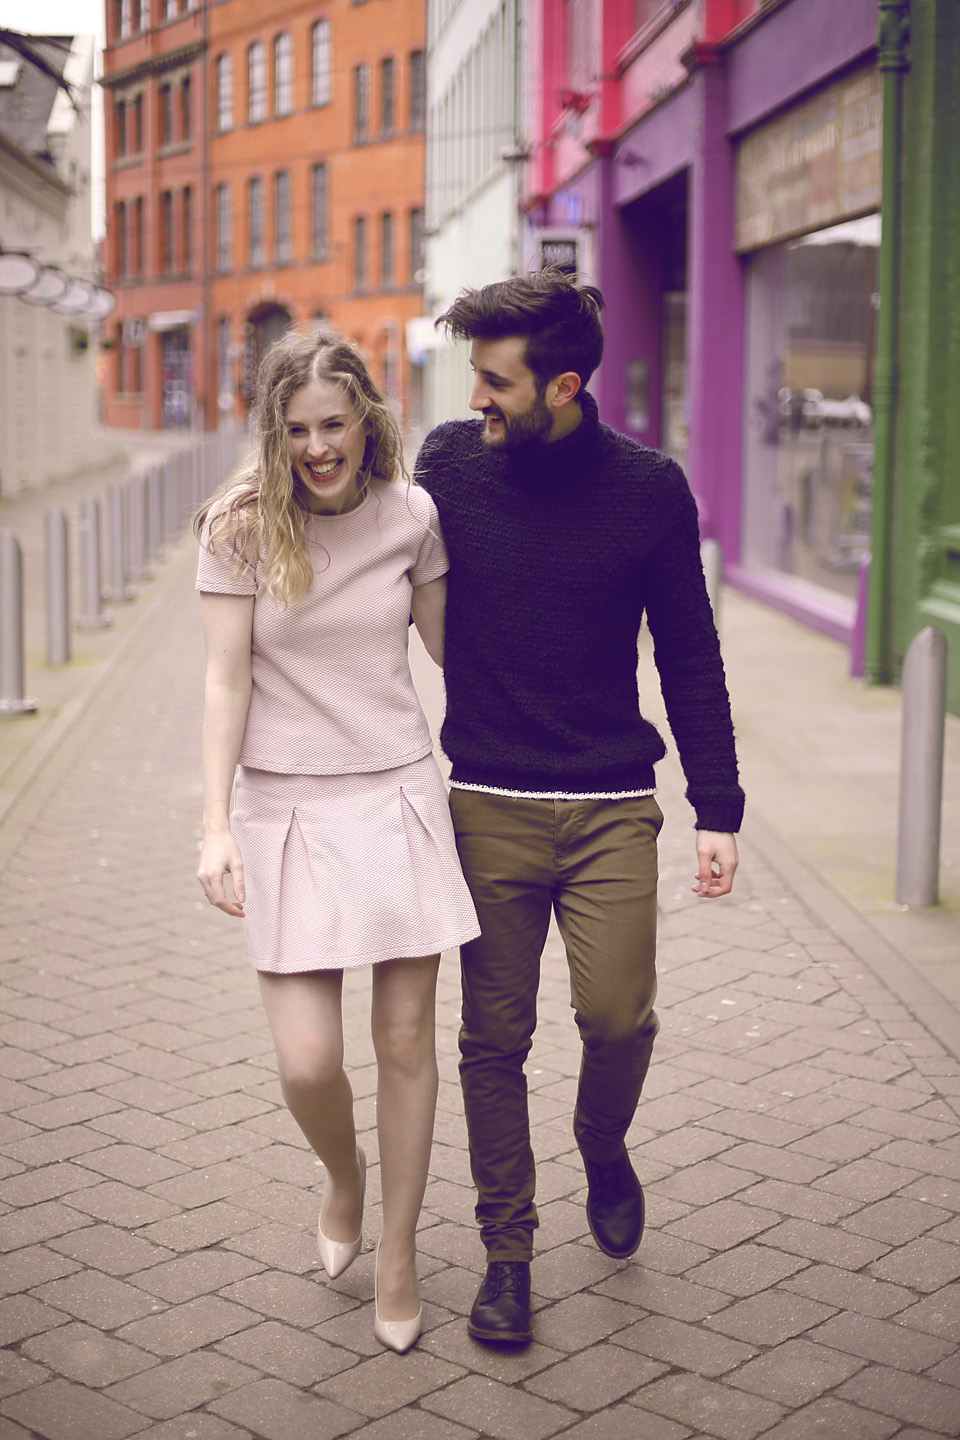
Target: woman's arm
x,y
227,631
428,608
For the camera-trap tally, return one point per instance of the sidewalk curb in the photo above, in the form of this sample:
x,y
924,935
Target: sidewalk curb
x,y
889,965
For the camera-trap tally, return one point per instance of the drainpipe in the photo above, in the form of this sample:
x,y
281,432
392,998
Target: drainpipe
x,y
892,33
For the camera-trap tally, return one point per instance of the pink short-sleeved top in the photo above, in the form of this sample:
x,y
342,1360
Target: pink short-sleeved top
x,y
332,692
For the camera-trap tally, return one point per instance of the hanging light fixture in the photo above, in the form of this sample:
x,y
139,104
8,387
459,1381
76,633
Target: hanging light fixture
x,y
51,285
102,303
17,273
78,296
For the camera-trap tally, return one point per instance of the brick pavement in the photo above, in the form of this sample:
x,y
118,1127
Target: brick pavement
x,y
798,1140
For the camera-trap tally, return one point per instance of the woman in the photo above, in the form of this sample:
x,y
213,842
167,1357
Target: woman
x,y
340,850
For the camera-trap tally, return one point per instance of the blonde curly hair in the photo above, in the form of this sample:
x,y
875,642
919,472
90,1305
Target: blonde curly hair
x,y
261,513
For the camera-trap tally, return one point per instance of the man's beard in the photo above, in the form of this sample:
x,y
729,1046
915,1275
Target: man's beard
x,y
524,428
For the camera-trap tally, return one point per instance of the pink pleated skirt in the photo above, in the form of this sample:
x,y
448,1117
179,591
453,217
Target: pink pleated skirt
x,y
348,870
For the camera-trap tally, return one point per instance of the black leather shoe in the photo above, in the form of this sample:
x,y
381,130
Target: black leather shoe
x,y
614,1205
501,1310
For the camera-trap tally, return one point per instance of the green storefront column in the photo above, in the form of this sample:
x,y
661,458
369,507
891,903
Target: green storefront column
x,y
924,569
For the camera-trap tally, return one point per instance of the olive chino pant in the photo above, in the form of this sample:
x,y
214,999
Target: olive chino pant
x,y
593,863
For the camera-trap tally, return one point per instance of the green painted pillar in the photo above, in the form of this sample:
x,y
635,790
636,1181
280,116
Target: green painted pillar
x,y
924,552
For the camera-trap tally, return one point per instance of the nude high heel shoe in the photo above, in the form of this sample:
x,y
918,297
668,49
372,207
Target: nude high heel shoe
x,y
337,1255
397,1335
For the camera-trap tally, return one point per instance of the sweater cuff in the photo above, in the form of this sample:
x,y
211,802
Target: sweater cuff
x,y
723,814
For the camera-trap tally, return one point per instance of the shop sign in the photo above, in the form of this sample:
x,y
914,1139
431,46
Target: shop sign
x,y
817,164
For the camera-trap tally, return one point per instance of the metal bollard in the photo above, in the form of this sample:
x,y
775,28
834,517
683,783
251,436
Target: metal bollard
x,y
117,589
57,585
924,689
154,512
711,557
171,498
92,615
12,699
137,527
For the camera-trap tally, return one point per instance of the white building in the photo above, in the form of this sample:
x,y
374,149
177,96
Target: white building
x,y
475,148
46,354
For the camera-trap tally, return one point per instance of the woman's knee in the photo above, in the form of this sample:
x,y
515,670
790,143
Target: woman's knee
x,y
304,1069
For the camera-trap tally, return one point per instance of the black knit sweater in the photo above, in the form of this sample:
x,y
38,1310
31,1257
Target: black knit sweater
x,y
556,551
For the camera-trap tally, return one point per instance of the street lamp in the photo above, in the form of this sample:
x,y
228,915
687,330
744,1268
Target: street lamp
x,y
17,273
51,285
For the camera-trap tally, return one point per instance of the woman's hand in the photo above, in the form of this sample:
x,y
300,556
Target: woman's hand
x,y
219,857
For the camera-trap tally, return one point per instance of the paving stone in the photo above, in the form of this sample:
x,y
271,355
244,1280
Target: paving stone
x,y
276,1411
62,1410
830,1419
905,1397
861,1294
287,1297
663,1294
708,1407
119,1204
725,1224
580,1320
388,1382
822,1242
33,1265
498,1411
882,1341
198,1425
770,1318
796,1372
507,1363
192,1326
181,1385
290,1354
745,1271
596,1378
623,1422
83,1353
924,1265
97,1298
685,1347
199,1273
416,1425
23,1315
200,1228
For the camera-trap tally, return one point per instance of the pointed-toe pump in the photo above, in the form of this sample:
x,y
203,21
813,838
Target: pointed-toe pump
x,y
397,1335
337,1255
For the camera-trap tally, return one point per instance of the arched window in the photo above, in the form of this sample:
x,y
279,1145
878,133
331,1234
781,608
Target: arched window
x,y
321,63
224,72
256,83
283,74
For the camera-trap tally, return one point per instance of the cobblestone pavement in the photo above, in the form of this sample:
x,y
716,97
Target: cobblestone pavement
x,y
798,1141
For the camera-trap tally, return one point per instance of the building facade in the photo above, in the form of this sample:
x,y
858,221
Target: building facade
x,y
154,122
265,168
476,67
46,348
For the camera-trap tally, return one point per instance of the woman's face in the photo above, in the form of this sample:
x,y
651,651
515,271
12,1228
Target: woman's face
x,y
327,442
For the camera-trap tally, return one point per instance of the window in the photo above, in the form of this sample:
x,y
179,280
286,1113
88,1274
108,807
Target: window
x,y
318,197
418,90
224,364
321,64
578,45
187,235
166,233
283,74
123,18
120,239
281,217
143,22
186,117
166,115
416,247
361,103
224,71
387,120
170,9
256,83
255,248
138,125
224,230
120,128
360,253
386,252
138,237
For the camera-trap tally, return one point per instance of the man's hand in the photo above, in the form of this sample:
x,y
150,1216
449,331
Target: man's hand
x,y
718,860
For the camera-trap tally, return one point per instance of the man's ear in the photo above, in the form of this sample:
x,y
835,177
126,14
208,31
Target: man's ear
x,y
565,387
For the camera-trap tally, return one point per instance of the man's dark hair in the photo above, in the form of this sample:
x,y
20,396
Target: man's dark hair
x,y
559,319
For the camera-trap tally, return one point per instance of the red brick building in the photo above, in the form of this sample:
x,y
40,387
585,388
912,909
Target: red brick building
x,y
265,167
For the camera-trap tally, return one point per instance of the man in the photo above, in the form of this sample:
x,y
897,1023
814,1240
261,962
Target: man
x,y
562,534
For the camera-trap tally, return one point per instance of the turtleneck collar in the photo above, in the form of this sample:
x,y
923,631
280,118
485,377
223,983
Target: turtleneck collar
x,y
553,460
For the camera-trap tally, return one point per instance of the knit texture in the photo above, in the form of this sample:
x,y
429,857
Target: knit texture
x,y
556,553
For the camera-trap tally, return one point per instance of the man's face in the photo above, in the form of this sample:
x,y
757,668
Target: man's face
x,y
506,395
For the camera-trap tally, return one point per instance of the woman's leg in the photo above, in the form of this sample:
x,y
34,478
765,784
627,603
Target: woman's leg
x,y
305,1021
403,1025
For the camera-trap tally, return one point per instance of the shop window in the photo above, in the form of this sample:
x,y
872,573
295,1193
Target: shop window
x,y
283,74
321,63
319,212
808,401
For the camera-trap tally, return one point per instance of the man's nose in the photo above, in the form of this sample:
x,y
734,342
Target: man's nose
x,y
479,399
